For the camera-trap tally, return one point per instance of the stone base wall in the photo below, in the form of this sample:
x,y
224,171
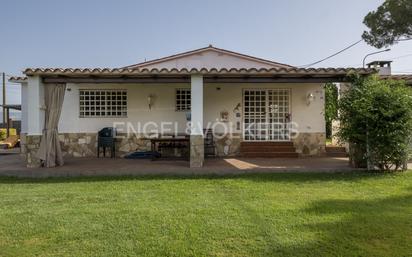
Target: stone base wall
x,y
132,143
85,144
32,144
228,145
23,144
306,144
78,144
197,151
310,144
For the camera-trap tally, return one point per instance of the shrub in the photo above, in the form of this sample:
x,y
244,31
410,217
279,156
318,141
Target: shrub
x,y
376,119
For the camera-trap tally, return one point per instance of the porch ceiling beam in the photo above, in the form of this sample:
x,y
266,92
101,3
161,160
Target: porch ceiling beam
x,y
186,79
274,79
117,80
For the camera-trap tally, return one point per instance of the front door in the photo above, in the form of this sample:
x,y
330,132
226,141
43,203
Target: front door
x,y
266,114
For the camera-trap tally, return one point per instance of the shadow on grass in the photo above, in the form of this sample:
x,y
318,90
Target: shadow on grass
x,y
336,227
380,227
286,177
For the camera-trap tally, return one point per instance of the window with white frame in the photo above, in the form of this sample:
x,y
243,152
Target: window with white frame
x,y
183,99
103,103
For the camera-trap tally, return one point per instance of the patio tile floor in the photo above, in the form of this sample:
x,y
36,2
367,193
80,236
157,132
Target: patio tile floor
x,y
13,165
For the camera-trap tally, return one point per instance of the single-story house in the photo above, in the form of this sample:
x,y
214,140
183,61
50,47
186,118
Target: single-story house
x,y
254,107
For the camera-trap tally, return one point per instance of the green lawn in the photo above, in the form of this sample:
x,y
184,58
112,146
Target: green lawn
x,y
315,214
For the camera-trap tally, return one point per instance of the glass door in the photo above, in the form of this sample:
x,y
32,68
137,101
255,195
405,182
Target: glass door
x,y
266,114
278,115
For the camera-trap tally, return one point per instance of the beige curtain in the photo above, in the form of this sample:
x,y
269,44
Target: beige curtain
x,y
50,151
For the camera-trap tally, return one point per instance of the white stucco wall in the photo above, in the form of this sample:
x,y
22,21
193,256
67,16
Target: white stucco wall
x,y
309,117
163,108
197,105
24,108
209,59
35,106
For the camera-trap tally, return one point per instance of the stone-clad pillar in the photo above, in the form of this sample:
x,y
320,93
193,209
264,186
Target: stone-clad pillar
x,y
197,155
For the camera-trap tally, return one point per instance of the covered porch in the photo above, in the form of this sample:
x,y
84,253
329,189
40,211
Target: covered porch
x,y
208,103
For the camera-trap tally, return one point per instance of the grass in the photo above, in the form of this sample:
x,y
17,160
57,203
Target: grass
x,y
352,214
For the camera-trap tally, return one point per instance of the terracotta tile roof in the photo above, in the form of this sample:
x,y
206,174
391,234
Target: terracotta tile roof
x,y
406,77
12,106
204,71
136,72
17,79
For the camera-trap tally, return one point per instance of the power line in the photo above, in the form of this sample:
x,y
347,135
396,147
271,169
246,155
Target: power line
x,y
344,49
389,58
330,56
401,56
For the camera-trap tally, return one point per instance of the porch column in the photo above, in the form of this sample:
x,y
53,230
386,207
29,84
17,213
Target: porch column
x,y
197,155
24,108
35,119
35,103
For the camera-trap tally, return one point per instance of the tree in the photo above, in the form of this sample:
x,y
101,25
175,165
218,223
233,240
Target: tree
x,y
331,107
376,119
391,22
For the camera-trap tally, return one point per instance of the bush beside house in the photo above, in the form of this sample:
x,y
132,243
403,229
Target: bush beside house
x,y
376,119
2,135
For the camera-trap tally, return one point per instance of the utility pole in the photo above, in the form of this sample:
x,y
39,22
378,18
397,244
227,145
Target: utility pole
x,y
4,99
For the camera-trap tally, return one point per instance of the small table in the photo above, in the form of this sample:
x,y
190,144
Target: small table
x,y
172,143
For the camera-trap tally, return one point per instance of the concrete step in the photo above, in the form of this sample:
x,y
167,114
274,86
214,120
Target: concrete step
x,y
265,143
268,149
270,154
250,148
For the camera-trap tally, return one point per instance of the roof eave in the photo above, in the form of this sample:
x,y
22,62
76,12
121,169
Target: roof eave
x,y
204,71
18,79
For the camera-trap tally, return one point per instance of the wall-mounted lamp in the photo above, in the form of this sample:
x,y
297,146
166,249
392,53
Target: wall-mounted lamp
x,y
150,100
310,98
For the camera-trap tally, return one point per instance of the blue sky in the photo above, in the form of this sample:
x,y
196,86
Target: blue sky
x,y
117,33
